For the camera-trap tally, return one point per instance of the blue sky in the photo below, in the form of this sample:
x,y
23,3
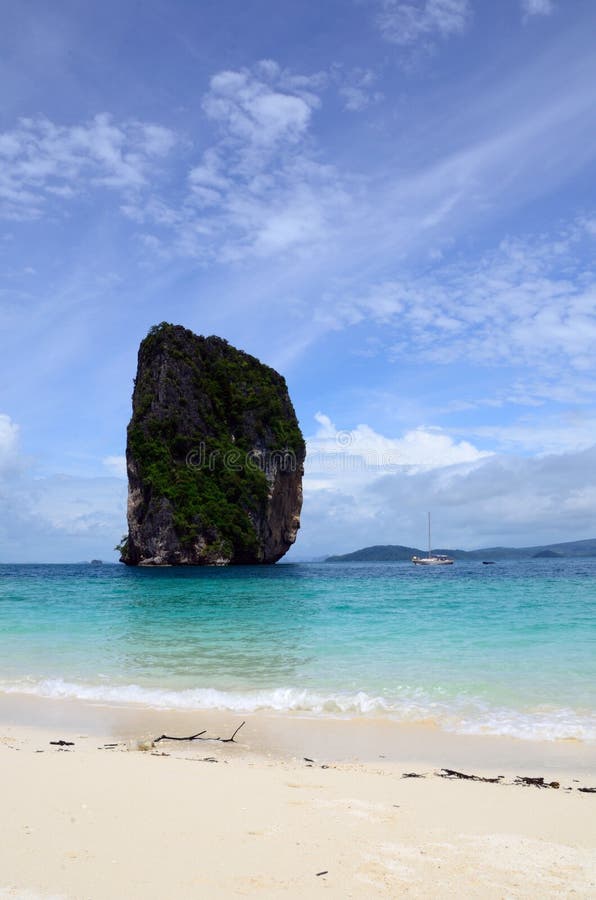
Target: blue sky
x,y
390,202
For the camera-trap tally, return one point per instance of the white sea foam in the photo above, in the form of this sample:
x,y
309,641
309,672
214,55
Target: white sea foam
x,y
278,699
462,715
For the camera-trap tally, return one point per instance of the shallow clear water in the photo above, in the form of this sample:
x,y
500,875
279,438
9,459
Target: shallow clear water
x,y
509,648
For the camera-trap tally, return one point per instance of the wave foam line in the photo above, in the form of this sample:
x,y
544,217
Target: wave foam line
x,y
277,699
460,715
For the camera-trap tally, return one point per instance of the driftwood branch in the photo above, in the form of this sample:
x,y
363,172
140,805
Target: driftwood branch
x,y
169,737
199,737
230,740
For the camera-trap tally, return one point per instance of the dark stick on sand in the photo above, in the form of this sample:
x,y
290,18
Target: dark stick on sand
x,y
170,737
230,740
199,737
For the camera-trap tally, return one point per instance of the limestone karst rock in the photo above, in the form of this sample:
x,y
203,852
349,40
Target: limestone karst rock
x,y
214,456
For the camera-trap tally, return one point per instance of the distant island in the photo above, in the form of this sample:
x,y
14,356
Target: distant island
x,y
399,553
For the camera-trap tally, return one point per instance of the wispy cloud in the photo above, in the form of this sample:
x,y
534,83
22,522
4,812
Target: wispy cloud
x,y
41,161
504,308
58,518
537,7
9,444
568,432
260,188
425,21
358,89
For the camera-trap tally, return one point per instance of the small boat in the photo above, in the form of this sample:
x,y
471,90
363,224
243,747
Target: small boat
x,y
432,559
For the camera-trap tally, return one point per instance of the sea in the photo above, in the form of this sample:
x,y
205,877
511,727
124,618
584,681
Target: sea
x,y
507,649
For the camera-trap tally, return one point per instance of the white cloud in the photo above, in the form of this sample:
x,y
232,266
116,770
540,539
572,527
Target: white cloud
x,y
41,160
537,7
419,448
260,188
420,20
348,462
255,113
497,500
261,181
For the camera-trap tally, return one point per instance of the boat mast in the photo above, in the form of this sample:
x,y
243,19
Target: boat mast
x,y
429,552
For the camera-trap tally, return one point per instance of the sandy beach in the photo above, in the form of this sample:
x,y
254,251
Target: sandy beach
x,y
293,808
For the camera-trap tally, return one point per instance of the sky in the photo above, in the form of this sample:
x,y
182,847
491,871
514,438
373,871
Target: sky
x,y
390,202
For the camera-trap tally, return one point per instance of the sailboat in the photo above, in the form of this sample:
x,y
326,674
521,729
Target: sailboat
x,y
432,559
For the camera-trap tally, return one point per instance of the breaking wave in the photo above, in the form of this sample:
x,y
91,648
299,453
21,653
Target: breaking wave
x,y
462,715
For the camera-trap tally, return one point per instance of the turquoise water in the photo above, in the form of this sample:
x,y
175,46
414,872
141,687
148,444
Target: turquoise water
x,y
503,649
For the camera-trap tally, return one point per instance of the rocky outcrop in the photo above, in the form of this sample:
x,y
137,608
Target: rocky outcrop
x,y
214,455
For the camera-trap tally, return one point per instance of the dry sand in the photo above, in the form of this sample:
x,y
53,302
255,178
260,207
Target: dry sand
x,y
255,818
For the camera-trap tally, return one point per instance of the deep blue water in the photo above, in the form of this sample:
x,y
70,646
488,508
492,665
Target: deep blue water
x,y
509,648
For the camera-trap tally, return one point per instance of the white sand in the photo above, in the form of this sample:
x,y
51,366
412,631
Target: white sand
x,y
100,823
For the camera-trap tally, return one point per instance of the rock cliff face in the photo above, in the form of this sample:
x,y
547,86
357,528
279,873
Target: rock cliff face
x,y
214,455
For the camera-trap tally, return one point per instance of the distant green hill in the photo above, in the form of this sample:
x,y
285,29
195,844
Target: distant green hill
x,y
384,553
399,553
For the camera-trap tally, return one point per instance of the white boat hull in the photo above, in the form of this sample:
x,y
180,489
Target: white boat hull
x,y
431,561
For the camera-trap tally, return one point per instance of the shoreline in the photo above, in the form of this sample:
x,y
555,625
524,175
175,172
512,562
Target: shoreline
x,y
287,735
